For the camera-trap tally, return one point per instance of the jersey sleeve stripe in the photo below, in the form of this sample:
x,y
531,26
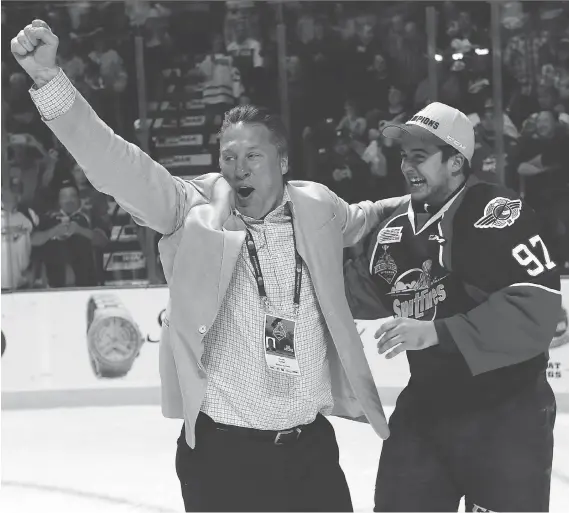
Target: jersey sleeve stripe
x,y
553,291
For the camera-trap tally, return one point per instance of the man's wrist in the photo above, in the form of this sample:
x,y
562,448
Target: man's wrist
x,y
446,342
433,335
45,75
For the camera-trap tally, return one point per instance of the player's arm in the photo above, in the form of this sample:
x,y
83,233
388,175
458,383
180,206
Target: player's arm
x,y
510,273
141,186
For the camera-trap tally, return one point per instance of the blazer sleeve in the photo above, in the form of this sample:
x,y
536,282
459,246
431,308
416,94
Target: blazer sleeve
x,y
359,219
144,188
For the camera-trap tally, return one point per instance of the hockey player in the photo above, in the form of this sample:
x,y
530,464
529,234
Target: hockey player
x,y
465,271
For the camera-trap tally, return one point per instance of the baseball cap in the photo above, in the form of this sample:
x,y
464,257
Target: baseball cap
x,y
67,183
437,124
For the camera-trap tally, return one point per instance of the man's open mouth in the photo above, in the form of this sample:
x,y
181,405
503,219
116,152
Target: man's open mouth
x,y
417,181
244,192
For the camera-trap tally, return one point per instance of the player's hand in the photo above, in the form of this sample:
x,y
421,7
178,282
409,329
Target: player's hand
x,y
404,334
369,326
35,49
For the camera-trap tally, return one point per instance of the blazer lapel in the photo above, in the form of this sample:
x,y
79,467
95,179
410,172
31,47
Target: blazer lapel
x,y
233,237
308,218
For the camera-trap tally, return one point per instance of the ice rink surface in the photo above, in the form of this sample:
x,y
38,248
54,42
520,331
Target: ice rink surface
x,y
121,460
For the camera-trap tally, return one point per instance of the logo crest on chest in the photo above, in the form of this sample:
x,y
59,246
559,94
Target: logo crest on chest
x,y
385,266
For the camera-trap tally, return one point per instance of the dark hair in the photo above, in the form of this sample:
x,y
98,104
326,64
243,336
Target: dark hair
x,y
449,152
351,102
255,115
67,184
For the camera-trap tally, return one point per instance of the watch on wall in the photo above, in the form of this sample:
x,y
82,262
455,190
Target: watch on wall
x,y
113,337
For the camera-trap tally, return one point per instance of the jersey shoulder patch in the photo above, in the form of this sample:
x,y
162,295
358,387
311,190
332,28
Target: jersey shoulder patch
x,y
491,206
499,212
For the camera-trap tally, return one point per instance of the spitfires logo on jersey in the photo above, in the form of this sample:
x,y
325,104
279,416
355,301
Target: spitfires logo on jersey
x,y
416,293
499,213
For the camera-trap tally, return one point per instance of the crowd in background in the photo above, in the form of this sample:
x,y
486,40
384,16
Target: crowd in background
x,y
351,67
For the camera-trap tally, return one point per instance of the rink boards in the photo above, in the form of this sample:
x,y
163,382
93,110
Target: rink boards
x,y
46,361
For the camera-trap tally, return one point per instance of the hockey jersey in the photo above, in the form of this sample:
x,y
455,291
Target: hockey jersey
x,y
481,271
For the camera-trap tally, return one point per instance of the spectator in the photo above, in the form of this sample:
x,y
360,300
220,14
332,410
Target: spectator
x,y
323,73
157,33
397,104
485,114
109,81
526,53
353,126
544,158
93,202
544,98
222,79
96,206
375,159
138,11
484,159
397,112
110,63
246,53
21,109
79,13
422,95
18,223
31,162
44,198
344,172
359,56
406,49
68,237
563,89
547,96
73,65
556,75
394,37
158,46
374,89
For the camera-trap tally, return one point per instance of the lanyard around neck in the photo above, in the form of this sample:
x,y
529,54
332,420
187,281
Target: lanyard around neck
x,y
254,257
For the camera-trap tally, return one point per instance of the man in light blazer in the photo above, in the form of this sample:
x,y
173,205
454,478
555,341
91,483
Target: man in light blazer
x,y
249,259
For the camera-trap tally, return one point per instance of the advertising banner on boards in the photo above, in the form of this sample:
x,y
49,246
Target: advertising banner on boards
x,y
82,338
106,337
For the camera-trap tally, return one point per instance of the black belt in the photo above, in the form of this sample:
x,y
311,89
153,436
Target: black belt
x,y
283,437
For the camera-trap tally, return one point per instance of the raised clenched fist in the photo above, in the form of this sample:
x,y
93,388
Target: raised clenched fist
x,y
35,49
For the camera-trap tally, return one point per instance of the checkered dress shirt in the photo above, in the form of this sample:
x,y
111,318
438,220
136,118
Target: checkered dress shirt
x,y
241,389
54,98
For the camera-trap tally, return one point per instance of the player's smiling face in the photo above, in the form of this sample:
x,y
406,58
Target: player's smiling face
x,y
252,164
429,179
